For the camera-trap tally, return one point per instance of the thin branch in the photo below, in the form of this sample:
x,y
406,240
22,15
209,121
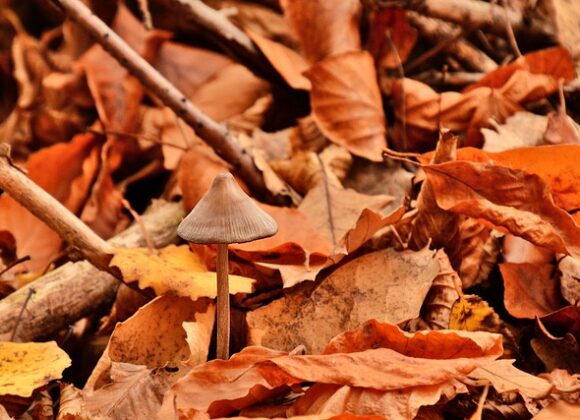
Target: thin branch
x,y
510,32
14,264
31,292
50,211
214,134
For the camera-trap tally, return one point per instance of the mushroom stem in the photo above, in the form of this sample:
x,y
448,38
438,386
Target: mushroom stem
x,y
223,303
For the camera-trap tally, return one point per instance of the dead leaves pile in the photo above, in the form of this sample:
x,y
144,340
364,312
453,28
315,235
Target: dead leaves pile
x,y
426,263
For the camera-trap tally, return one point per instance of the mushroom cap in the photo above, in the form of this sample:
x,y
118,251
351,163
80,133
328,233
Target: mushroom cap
x,y
225,215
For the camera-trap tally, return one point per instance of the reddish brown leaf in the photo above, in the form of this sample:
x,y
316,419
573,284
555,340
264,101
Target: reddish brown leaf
x,y
522,204
347,105
403,37
324,28
530,290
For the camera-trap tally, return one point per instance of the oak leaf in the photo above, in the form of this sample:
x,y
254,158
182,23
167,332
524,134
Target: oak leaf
x,y
28,366
173,270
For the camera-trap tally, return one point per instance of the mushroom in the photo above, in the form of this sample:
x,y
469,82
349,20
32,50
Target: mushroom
x,y
225,215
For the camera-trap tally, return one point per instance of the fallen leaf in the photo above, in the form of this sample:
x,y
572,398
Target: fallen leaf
x,y
65,171
28,366
570,279
561,129
523,205
505,377
287,62
173,270
480,249
347,105
403,37
373,286
559,410
231,91
334,211
324,29
530,290
134,392
523,129
471,313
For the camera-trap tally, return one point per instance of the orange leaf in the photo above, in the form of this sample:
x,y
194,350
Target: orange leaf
x,y
347,104
513,199
287,62
66,171
324,28
530,290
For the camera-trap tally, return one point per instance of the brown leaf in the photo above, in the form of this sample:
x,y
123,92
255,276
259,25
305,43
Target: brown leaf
x,y
523,205
570,279
373,286
530,290
323,28
403,37
523,129
65,171
231,91
347,104
561,129
134,392
480,249
287,62
559,410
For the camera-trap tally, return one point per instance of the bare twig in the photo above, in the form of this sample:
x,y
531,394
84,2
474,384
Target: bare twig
x,y
438,31
510,31
140,223
475,13
50,211
31,291
215,135
14,264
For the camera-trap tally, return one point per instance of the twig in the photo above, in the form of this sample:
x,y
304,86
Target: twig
x,y
475,13
140,223
146,14
510,31
328,199
31,291
215,135
438,31
50,211
15,263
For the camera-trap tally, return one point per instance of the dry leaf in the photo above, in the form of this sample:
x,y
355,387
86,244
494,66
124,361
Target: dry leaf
x,y
231,91
505,377
480,249
559,410
347,104
134,392
471,313
570,279
530,290
561,129
287,62
28,366
65,171
173,270
374,286
523,129
403,37
324,29
523,205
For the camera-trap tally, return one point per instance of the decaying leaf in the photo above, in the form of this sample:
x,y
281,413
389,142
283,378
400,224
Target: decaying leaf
x,y
347,104
505,377
471,313
523,205
173,270
374,286
25,367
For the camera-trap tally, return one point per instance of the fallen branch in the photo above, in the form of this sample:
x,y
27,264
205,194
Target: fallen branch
x,y
234,41
471,13
439,31
77,289
60,219
214,134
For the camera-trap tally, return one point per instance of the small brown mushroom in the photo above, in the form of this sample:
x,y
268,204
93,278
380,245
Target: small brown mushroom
x,y
225,215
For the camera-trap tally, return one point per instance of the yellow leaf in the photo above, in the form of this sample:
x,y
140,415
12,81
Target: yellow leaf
x,y
173,270
25,367
471,313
